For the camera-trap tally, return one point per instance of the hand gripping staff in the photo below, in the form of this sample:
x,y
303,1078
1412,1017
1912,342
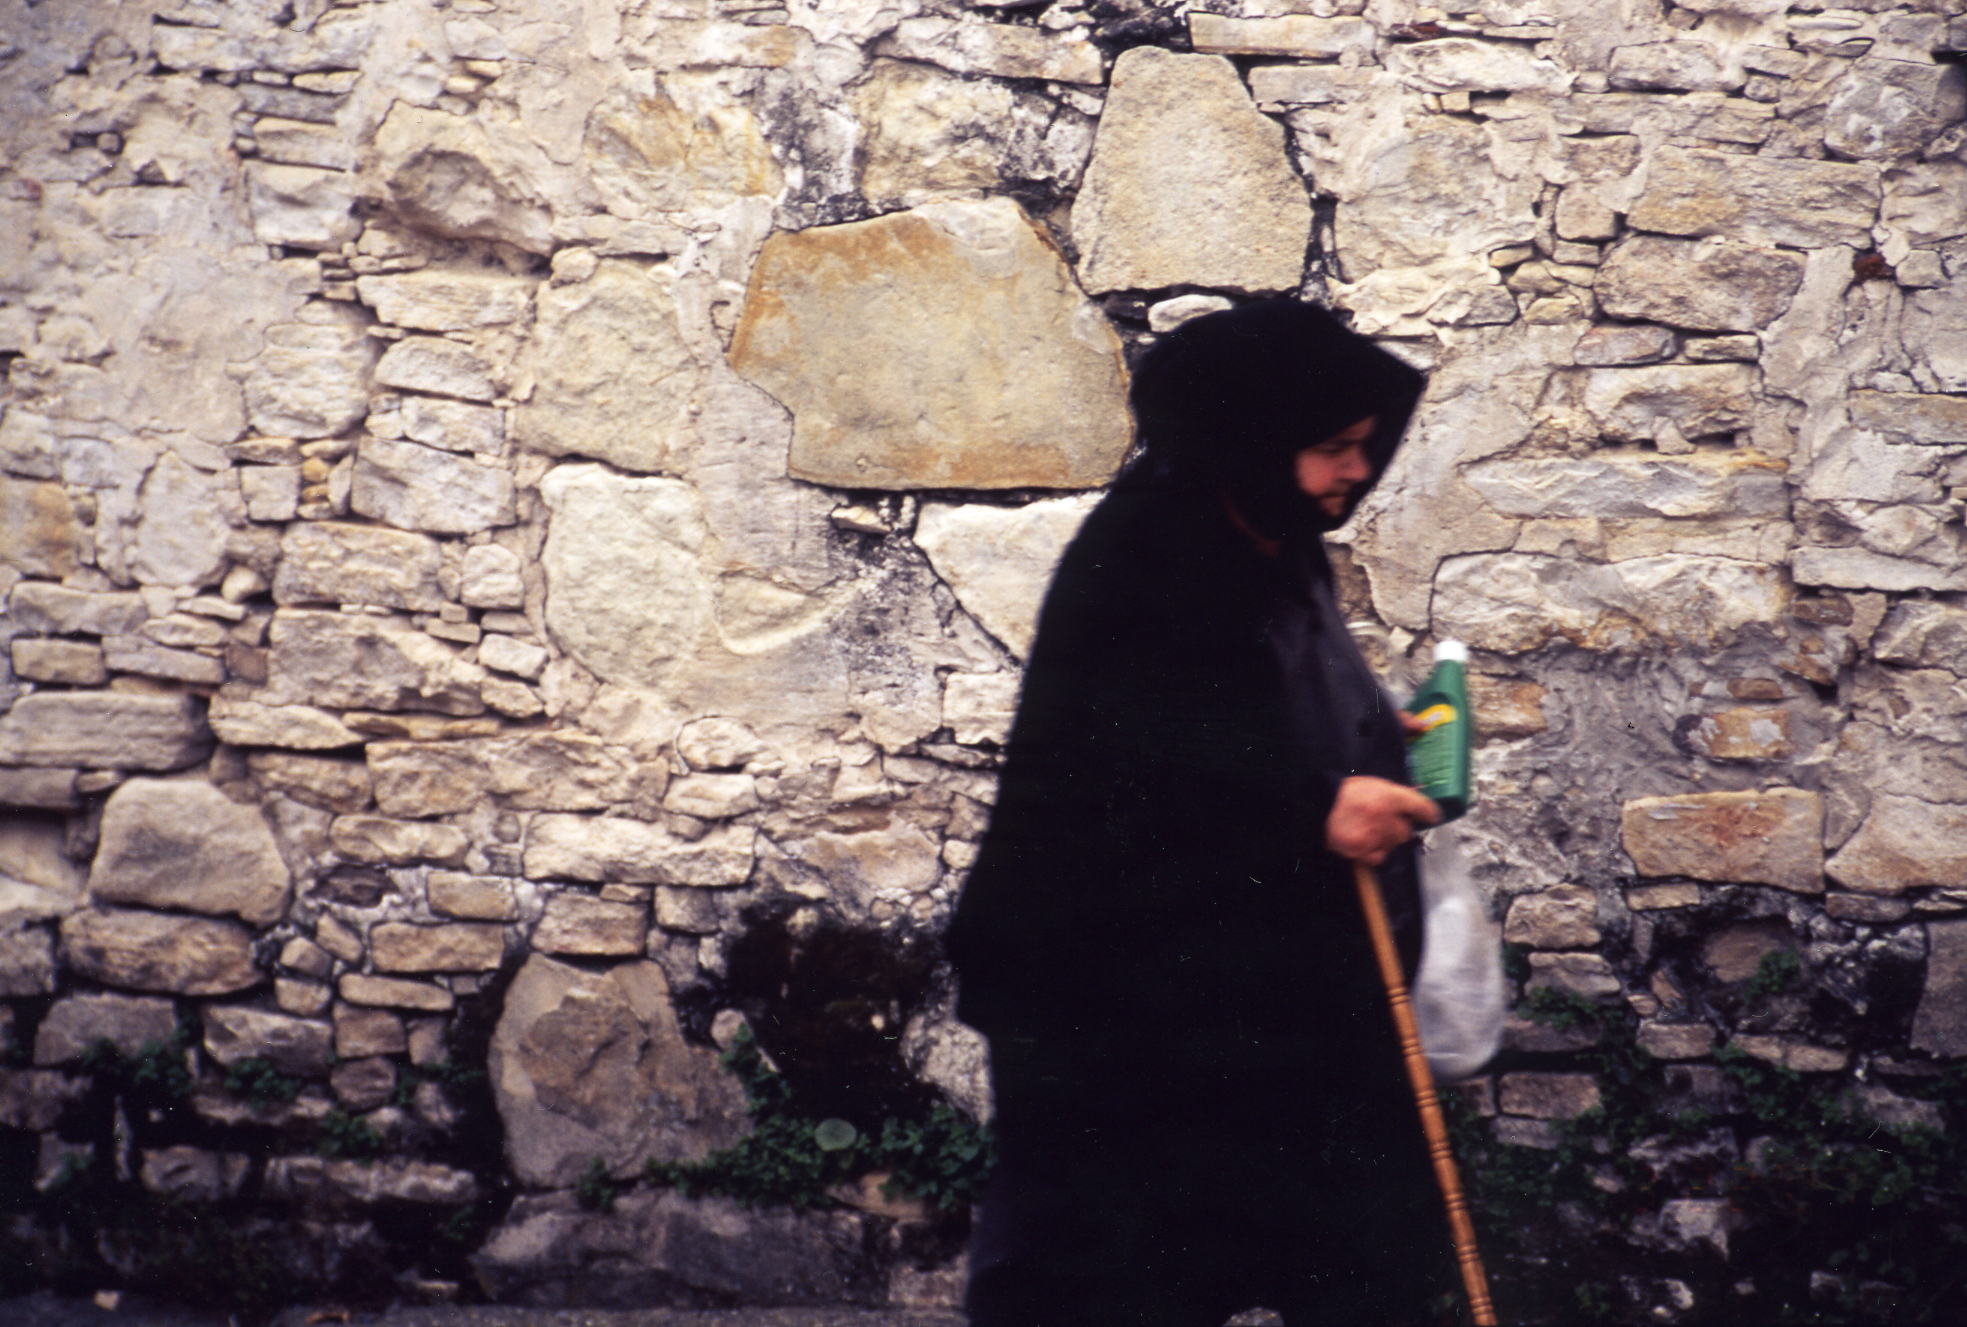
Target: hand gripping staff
x,y
1439,759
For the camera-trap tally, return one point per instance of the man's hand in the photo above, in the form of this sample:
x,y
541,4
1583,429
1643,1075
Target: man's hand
x,y
1371,817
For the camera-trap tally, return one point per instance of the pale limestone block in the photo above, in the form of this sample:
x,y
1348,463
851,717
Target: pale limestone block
x,y
1279,86
193,1174
1904,843
940,375
1612,484
593,1064
1758,733
1676,1041
338,938
491,577
471,897
1793,1053
75,1023
394,993
27,962
154,951
556,771
929,134
675,43
1868,569
1911,416
999,560
995,50
1226,211
361,1085
1866,909
1614,344
1588,976
336,562
103,730
613,848
1773,837
44,789
625,594
67,662
683,144
311,381
57,609
1939,1024
980,707
585,925
437,365
1923,634
300,207
1884,109
1714,285
271,492
1652,898
1465,64
1582,216
38,880
894,863
1168,314
447,300
40,534
1547,1096
379,840
717,743
134,654
1639,404
1414,189
1303,36
508,654
368,662
241,722
329,782
186,845
711,796
1925,206
451,175
450,947
302,955
1513,602
612,377
1565,917
298,1046
1682,65
456,426
362,1030
1782,200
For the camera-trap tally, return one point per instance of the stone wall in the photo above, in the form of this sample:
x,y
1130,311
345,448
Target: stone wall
x,y
516,519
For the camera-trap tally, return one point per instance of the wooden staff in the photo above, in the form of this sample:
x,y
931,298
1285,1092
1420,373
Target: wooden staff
x,y
1461,1230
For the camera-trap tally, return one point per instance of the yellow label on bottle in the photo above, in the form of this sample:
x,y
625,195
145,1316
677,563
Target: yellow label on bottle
x,y
1433,717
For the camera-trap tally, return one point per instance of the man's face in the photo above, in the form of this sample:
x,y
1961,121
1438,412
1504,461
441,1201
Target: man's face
x,y
1328,471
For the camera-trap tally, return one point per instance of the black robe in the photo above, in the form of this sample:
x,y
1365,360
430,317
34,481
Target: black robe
x,y
1190,1048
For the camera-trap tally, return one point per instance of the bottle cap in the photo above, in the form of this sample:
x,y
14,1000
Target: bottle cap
x,y
1451,651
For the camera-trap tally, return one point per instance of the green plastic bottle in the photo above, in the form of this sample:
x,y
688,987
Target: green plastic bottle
x,y
1438,757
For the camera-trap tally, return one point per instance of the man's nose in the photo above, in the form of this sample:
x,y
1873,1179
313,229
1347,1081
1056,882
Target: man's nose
x,y
1353,465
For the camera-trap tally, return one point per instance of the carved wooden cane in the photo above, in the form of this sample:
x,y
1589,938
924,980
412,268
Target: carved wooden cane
x,y
1460,1229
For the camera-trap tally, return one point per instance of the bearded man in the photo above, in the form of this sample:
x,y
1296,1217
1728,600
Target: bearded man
x,y
1200,1100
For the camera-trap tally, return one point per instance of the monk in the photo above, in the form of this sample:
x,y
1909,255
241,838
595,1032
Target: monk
x,y
1200,1102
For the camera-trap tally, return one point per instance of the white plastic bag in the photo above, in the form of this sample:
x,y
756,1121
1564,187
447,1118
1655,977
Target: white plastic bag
x,y
1459,999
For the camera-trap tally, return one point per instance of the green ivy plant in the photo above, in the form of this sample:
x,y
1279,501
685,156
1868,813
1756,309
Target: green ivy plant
x,y
258,1079
793,1159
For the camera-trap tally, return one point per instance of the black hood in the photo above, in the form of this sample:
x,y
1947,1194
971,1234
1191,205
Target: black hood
x,y
1225,402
